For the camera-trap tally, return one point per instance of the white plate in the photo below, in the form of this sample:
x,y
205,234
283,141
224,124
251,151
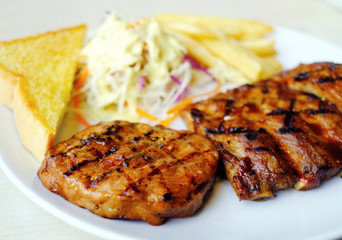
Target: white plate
x,y
313,214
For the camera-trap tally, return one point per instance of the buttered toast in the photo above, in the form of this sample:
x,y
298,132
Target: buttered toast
x,y
36,79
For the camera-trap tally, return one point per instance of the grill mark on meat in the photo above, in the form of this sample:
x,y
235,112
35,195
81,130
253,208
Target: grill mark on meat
x,y
280,111
133,186
326,80
311,95
168,143
301,76
288,130
261,149
167,197
228,106
250,136
76,167
200,187
84,142
318,111
292,103
247,168
148,133
135,139
288,120
155,171
250,85
143,156
100,139
97,139
305,75
113,130
265,89
231,130
186,157
195,113
93,183
332,68
111,151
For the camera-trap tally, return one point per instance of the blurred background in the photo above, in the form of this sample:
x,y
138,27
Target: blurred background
x,y
20,218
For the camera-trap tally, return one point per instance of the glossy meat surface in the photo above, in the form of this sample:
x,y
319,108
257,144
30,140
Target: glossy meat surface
x,y
271,137
323,79
134,171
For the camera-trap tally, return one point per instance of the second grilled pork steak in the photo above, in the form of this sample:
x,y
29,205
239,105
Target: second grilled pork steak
x,y
134,171
270,137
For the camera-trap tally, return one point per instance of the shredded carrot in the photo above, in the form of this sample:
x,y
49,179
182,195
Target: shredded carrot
x,y
82,77
147,115
130,26
215,90
83,120
166,122
134,25
186,101
79,84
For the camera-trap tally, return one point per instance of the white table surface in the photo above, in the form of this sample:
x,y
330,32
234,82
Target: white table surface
x,y
20,218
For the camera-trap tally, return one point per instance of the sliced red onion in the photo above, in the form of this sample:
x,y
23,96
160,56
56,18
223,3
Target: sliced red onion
x,y
142,81
179,98
176,80
195,65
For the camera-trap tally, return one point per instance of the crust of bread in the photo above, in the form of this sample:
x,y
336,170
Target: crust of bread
x,y
30,124
8,82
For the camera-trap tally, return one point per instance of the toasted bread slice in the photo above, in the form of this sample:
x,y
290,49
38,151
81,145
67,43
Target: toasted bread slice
x,y
36,79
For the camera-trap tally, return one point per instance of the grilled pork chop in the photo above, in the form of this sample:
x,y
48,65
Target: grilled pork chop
x,y
270,137
134,171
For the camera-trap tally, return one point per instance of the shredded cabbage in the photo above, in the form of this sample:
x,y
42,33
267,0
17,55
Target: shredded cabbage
x,y
131,65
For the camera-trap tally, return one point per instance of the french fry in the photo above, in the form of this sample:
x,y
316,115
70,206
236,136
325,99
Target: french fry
x,y
198,31
234,54
243,27
261,47
197,51
232,47
190,30
270,67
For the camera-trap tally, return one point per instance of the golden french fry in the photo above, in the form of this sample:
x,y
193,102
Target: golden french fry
x,y
197,51
270,67
243,27
231,46
198,31
261,47
234,54
190,30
